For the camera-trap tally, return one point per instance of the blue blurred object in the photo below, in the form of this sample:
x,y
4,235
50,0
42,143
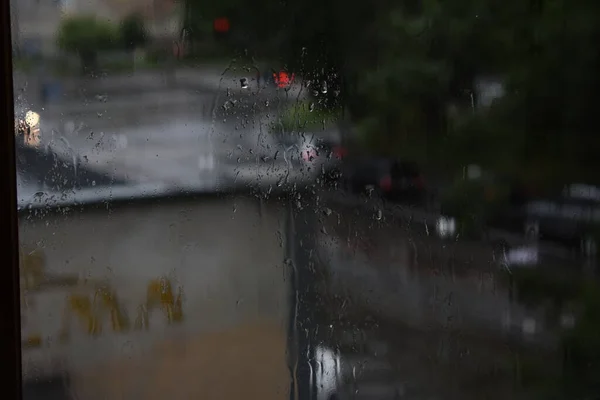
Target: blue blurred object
x,y
31,47
51,91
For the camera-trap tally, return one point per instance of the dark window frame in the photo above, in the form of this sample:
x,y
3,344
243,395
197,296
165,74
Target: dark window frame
x,y
10,338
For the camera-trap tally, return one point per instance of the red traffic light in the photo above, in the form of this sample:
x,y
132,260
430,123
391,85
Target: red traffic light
x,y
221,25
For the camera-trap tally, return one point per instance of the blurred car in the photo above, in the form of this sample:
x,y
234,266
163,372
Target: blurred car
x,y
571,219
394,179
470,207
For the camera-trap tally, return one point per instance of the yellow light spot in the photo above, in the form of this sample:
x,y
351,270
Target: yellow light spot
x,y
32,118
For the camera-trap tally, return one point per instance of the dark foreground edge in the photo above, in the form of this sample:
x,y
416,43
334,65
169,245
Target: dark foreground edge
x,y
10,332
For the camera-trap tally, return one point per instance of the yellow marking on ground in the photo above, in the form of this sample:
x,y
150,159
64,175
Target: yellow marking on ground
x,y
32,341
91,302
159,295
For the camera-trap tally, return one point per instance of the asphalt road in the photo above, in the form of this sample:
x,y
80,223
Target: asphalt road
x,y
177,137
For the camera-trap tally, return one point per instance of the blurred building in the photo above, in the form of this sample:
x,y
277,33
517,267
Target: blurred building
x,y
35,22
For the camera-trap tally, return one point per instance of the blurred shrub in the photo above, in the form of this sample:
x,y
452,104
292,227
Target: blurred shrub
x,y
305,117
85,36
132,32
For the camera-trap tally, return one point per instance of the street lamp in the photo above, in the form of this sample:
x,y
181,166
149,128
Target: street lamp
x,y
32,118
30,129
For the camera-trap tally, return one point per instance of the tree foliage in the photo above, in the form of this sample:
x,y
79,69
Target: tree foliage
x,y
133,32
85,36
399,66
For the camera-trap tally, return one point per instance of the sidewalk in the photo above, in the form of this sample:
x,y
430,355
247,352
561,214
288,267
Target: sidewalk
x,y
127,106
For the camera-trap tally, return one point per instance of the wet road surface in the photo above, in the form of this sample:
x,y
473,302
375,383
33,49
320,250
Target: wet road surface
x,y
403,315
181,140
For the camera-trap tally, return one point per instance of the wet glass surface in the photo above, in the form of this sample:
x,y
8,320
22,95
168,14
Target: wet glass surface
x,y
307,200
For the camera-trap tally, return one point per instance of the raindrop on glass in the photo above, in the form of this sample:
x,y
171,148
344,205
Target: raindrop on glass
x,y
244,83
323,87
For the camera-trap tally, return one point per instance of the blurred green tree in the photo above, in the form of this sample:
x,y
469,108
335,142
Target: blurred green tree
x,y
85,36
399,67
132,31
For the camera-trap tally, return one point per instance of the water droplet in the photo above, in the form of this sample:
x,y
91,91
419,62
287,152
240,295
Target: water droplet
x,y
315,92
323,87
311,108
228,105
378,215
327,211
244,83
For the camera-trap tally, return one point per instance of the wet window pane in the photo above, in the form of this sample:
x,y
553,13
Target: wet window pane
x,y
307,200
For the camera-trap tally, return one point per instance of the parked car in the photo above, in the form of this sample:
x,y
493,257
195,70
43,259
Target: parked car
x,y
571,219
470,207
394,179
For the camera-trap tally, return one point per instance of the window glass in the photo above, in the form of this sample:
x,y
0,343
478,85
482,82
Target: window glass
x,y
307,199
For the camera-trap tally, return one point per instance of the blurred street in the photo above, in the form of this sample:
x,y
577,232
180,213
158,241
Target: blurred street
x,y
191,135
